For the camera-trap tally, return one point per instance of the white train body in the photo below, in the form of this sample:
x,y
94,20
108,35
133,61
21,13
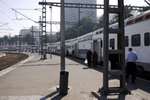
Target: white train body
x,y
137,36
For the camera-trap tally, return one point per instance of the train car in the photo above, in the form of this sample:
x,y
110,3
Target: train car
x,y
74,44
137,36
51,47
97,42
57,48
68,47
84,43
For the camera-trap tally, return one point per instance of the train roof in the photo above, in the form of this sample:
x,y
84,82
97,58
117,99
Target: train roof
x,y
86,37
133,19
138,18
129,21
73,40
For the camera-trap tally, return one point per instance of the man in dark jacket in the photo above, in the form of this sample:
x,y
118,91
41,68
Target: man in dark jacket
x,y
95,58
88,56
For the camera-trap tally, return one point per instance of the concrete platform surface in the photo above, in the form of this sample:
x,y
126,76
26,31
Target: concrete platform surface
x,y
36,79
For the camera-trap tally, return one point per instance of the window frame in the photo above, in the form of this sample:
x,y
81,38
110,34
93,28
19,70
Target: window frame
x,y
145,38
112,42
126,41
134,41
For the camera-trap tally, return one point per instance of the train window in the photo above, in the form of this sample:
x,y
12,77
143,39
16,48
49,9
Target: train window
x,y
126,41
136,40
139,19
101,43
129,22
147,39
147,16
112,42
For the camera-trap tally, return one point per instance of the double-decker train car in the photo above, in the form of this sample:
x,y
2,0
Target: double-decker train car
x,y
137,36
84,43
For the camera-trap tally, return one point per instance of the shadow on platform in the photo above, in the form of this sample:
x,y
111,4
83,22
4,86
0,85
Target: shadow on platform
x,y
81,61
38,65
118,97
140,84
109,96
56,97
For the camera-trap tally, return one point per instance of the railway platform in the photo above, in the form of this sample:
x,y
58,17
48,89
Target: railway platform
x,y
35,79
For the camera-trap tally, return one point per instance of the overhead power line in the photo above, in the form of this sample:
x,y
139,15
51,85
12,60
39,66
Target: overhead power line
x,y
37,9
3,24
5,4
7,15
24,15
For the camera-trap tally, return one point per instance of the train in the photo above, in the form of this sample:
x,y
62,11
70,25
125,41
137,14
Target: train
x,y
137,37
22,48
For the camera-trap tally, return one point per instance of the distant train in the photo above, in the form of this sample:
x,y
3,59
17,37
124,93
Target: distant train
x,y
23,48
137,36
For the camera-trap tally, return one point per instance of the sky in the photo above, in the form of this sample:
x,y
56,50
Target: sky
x,y
11,22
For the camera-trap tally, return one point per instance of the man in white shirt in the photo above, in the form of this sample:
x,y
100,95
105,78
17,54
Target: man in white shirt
x,y
131,65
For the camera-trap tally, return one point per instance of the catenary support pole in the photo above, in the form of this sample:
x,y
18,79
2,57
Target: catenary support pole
x,y
50,28
63,84
62,36
105,49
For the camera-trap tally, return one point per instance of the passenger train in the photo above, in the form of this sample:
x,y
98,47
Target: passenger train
x,y
137,36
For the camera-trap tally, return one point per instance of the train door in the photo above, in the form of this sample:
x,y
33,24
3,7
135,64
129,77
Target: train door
x,y
100,54
97,45
76,49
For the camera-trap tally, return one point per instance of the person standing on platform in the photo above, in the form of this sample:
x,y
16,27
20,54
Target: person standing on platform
x,y
88,57
95,58
114,60
73,53
131,65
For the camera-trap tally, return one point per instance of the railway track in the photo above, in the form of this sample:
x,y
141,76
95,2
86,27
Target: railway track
x,y
10,59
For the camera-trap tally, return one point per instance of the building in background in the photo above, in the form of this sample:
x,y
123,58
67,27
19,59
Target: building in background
x,y
32,31
76,14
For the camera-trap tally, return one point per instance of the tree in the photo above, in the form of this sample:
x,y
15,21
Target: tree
x,y
128,11
85,25
101,22
28,39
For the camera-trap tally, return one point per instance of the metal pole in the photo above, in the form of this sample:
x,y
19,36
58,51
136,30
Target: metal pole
x,y
9,42
51,28
39,33
63,83
79,15
121,43
78,20
32,39
105,53
44,31
62,36
19,43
